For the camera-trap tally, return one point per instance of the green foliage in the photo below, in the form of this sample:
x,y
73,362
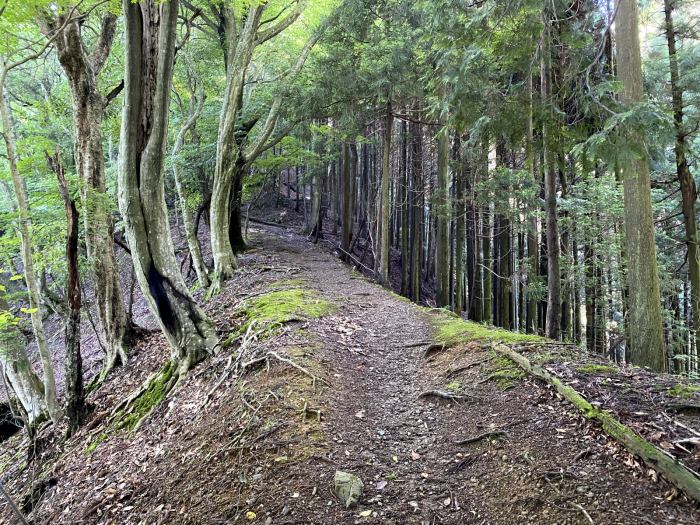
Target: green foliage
x,y
683,391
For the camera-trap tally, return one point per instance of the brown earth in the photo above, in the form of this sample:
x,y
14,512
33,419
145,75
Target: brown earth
x,y
264,447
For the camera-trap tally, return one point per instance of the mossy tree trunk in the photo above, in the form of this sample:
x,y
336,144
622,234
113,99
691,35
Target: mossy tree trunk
x,y
18,370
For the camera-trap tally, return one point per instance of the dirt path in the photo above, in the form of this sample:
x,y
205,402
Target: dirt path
x,y
245,449
550,466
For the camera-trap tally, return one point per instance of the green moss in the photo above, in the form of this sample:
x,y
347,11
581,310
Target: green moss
x,y
401,298
284,306
505,373
454,386
683,391
142,405
96,443
591,368
451,330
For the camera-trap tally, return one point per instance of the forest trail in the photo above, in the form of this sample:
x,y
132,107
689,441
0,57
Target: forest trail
x,y
263,447
549,466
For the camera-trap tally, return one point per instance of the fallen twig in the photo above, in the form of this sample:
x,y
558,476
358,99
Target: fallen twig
x,y
583,511
481,437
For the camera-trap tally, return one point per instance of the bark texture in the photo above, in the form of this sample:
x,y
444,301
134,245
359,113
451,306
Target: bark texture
x,y
646,344
74,391
82,68
150,29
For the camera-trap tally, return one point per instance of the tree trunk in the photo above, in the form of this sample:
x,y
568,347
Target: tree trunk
x,y
553,321
460,230
347,201
384,215
417,210
18,370
74,391
487,264
82,68
645,325
405,214
442,221
685,178
150,30
200,268
25,231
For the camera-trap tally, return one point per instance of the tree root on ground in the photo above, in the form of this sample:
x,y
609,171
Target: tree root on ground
x,y
448,395
130,413
669,467
433,349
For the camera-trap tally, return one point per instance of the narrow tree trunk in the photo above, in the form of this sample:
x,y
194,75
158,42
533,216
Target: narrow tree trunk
x,y
82,69
460,231
149,60
646,329
74,391
487,265
384,215
347,203
553,322
405,214
442,221
25,231
417,210
200,268
685,178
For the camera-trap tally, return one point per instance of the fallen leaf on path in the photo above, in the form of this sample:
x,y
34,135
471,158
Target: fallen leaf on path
x,y
381,485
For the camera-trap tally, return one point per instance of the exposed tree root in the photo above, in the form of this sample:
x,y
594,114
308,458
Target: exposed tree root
x,y
463,368
655,458
433,349
298,367
130,413
448,395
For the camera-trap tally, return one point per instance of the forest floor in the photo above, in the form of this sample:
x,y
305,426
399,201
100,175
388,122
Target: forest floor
x,y
263,446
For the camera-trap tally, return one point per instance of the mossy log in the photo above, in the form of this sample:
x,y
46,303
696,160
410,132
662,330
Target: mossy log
x,y
670,468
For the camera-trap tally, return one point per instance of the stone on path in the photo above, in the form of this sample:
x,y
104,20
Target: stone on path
x,y
348,488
